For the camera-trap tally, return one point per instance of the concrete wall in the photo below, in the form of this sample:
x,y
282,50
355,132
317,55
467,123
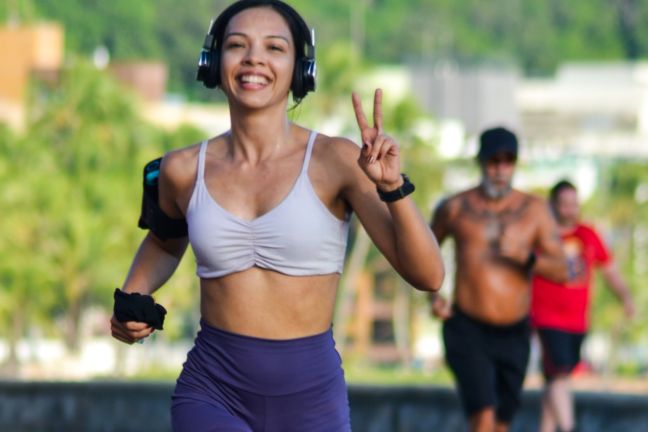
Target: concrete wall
x,y
144,407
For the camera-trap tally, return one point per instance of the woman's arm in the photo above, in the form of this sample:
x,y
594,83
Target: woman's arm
x,y
153,264
397,228
155,260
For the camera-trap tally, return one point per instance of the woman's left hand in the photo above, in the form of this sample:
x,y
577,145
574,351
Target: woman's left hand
x,y
380,156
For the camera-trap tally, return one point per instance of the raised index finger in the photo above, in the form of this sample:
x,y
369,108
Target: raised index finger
x,y
377,112
359,113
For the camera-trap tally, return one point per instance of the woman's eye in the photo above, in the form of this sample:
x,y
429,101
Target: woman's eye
x,y
276,48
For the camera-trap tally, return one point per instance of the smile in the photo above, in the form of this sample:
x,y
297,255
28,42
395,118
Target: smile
x,y
253,79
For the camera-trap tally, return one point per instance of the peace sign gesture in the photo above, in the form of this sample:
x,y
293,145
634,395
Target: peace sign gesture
x,y
379,157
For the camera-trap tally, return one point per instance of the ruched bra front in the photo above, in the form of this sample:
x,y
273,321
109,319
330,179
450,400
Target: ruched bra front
x,y
298,237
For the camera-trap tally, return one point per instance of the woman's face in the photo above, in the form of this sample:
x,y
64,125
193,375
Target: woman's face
x,y
257,58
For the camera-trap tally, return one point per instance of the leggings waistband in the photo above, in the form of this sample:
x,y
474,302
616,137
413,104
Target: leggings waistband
x,y
264,366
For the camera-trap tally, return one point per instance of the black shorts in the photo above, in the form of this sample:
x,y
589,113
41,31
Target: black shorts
x,y
560,351
489,362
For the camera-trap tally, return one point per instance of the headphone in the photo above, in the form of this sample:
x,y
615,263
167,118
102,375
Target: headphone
x,y
304,74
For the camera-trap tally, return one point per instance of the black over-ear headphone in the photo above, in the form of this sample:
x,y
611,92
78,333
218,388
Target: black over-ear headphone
x,y
304,74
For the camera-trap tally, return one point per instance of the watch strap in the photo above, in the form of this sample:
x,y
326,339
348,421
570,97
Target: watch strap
x,y
401,192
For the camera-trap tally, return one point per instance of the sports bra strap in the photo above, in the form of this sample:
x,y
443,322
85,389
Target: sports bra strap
x,y
201,161
309,151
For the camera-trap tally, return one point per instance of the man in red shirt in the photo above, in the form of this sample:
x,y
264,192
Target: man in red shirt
x,y
560,312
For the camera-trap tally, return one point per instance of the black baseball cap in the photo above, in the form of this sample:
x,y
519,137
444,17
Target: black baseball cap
x,y
497,140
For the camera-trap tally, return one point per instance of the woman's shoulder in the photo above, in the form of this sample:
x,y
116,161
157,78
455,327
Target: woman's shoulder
x,y
338,142
180,165
336,149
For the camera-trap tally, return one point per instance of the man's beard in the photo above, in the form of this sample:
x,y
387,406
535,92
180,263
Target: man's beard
x,y
495,192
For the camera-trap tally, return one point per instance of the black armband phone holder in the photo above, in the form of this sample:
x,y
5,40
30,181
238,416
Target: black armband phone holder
x,y
138,307
152,217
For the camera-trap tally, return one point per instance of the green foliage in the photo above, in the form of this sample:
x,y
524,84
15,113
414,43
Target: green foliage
x,y
125,27
72,194
534,34
621,207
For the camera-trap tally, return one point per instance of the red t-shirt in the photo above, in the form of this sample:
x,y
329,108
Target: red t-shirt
x,y
566,306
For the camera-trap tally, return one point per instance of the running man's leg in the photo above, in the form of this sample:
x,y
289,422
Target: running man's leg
x,y
511,349
557,405
473,370
560,354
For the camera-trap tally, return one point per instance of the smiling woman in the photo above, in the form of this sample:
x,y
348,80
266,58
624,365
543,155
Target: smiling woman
x,y
295,41
267,206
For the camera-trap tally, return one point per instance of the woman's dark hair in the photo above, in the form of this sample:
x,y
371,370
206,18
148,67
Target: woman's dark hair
x,y
298,28
559,187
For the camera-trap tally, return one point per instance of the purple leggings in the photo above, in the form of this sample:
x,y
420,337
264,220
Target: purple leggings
x,y
234,383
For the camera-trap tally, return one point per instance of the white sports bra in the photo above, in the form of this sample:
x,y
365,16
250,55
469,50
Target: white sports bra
x,y
298,237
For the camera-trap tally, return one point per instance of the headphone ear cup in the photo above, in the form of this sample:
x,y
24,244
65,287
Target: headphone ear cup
x,y
303,77
297,86
309,74
214,69
209,68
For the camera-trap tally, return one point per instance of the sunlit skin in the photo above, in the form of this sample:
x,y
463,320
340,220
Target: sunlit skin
x,y
493,240
495,228
250,170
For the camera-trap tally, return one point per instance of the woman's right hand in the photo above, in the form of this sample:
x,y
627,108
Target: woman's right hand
x,y
129,331
380,155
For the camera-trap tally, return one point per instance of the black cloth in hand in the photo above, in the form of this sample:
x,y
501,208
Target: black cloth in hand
x,y
138,307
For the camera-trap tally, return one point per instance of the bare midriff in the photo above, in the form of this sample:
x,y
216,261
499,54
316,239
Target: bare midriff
x,y
270,305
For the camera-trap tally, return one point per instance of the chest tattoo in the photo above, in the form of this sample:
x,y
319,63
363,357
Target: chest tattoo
x,y
493,223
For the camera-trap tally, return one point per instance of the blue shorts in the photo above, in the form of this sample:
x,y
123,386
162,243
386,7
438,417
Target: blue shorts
x,y
232,382
489,362
560,351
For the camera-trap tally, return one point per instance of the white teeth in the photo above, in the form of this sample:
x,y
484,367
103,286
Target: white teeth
x,y
253,79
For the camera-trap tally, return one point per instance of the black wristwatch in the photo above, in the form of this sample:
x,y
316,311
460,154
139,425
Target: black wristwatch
x,y
405,189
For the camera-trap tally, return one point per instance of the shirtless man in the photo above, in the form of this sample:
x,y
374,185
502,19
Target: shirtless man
x,y
501,237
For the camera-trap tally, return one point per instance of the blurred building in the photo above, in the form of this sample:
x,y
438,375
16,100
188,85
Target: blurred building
x,y
595,109
479,97
146,78
26,51
587,108
36,51
567,123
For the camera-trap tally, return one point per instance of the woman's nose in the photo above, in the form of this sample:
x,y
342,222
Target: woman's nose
x,y
253,55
